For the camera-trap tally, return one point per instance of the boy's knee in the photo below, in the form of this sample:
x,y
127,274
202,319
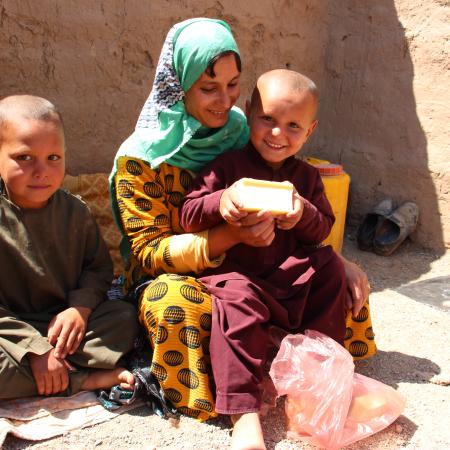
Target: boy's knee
x,y
336,268
331,277
337,265
130,321
112,329
122,310
124,319
114,312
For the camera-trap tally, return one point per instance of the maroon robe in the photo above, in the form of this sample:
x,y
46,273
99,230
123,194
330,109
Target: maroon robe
x,y
294,283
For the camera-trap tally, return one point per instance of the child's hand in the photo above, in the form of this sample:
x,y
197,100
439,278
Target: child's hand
x,y
50,373
231,206
358,287
256,229
289,220
67,329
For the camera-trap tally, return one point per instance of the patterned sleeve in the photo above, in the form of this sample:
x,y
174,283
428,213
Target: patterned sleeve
x,y
148,202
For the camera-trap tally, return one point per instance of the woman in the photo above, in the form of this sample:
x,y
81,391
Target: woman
x,y
188,119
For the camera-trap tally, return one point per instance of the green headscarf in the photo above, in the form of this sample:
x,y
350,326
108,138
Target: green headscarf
x,y
165,132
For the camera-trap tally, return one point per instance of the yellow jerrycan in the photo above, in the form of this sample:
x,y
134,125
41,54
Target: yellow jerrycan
x,y
337,184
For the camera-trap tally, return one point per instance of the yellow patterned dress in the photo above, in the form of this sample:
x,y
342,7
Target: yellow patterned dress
x,y
175,308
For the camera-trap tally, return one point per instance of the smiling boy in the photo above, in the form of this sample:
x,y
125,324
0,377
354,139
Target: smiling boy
x,y
57,332
285,277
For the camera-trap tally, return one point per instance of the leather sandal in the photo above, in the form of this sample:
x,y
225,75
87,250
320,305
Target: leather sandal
x,y
366,231
395,228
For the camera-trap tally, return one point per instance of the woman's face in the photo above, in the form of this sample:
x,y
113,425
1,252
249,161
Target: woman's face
x,y
209,100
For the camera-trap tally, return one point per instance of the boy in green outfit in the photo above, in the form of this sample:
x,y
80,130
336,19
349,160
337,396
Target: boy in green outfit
x,y
58,333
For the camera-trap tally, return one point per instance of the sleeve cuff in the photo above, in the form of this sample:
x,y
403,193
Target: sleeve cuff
x,y
36,344
189,252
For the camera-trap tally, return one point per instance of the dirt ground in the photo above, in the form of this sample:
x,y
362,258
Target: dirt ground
x,y
411,313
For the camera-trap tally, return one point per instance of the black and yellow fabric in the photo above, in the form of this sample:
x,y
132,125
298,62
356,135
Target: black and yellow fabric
x,y
176,309
148,202
359,337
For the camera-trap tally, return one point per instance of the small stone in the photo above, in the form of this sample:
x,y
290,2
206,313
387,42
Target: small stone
x,y
398,428
97,443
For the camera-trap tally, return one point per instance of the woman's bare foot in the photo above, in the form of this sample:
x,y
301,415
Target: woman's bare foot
x,y
102,379
247,432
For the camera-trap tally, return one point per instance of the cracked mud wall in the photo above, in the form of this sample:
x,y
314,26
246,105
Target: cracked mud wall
x,y
382,69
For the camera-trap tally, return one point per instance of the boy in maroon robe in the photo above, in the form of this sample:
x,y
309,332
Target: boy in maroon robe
x,y
284,277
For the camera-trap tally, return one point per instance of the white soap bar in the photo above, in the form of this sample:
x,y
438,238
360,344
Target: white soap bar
x,y
256,195
368,406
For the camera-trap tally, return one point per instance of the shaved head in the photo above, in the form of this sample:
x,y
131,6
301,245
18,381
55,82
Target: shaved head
x,y
284,80
26,107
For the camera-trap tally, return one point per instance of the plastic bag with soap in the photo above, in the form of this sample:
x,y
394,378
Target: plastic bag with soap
x,y
327,404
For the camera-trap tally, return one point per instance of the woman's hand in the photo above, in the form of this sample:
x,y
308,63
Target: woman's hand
x,y
231,207
256,229
358,286
289,220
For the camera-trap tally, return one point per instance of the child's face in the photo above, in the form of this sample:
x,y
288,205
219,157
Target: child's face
x,y
32,161
280,122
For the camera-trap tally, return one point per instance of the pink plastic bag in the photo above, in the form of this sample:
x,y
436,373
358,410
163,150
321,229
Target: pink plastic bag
x,y
327,404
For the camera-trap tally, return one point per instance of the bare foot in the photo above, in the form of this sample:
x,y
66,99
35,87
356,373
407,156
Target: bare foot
x,y
247,432
102,379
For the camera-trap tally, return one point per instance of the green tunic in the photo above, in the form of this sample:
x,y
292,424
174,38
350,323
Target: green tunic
x,y
51,259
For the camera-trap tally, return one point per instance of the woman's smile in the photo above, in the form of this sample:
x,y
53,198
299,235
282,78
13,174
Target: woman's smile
x,y
210,99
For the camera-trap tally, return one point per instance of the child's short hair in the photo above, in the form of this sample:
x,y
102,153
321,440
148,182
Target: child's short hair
x,y
27,107
293,80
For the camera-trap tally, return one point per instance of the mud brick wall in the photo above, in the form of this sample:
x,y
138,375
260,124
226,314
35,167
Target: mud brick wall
x,y
382,69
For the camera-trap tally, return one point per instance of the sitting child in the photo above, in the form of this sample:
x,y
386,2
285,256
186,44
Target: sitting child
x,y
283,277
58,334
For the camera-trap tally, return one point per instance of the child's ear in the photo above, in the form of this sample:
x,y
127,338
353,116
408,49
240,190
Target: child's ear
x,y
248,108
311,128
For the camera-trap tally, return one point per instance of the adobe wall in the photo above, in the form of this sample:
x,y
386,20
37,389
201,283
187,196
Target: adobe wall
x,y
382,68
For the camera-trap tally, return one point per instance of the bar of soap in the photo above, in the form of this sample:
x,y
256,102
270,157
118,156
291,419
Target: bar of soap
x,y
256,195
366,407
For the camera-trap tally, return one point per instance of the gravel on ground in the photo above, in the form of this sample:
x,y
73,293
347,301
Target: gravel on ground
x,y
410,304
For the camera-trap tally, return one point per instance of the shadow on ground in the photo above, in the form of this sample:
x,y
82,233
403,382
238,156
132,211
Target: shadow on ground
x,y
434,291
393,368
402,268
